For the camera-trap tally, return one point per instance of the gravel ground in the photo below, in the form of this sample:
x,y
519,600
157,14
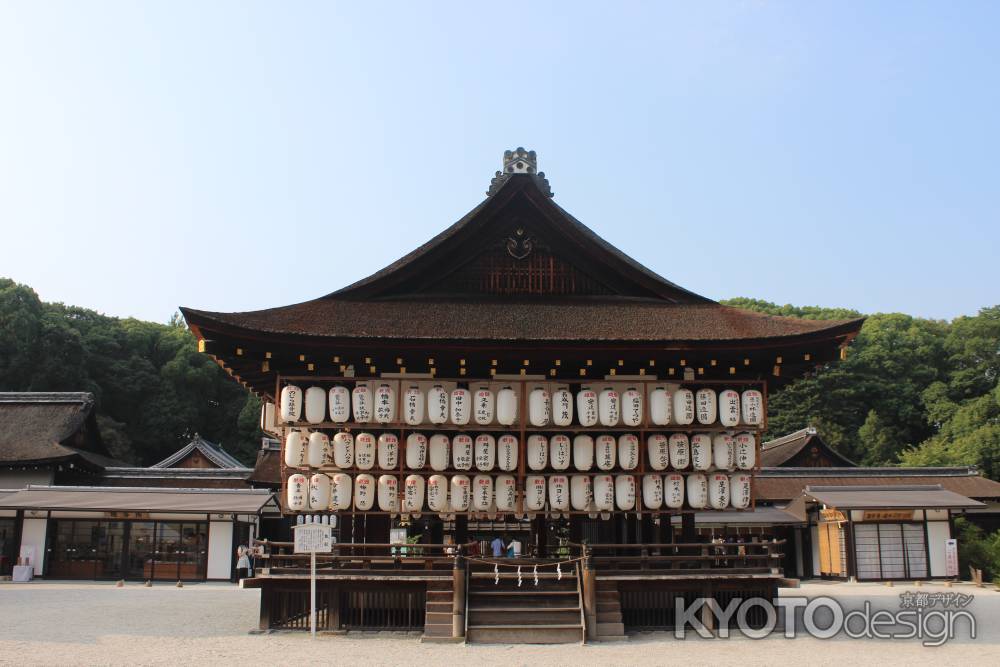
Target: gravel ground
x,y
53,623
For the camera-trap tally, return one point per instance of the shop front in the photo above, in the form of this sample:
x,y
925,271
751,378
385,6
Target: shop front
x,y
135,534
879,533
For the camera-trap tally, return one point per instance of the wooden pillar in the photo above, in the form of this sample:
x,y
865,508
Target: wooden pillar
x,y
688,532
541,535
264,623
589,595
458,596
707,617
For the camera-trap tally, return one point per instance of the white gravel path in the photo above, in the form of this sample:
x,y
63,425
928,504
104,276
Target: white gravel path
x,y
97,624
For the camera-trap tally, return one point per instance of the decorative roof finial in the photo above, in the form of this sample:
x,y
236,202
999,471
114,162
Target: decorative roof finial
x,y
519,161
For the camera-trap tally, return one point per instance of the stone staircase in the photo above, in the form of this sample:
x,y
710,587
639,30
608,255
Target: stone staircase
x,y
503,612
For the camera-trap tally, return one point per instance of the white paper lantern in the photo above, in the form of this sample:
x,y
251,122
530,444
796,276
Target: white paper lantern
x,y
388,451
437,493
538,452
343,450
631,407
652,492
461,493
506,406
461,406
660,406
364,451
413,493
297,493
729,407
673,490
609,407
723,451
587,407
361,404
483,407
319,485
658,451
752,407
604,493
339,401
740,490
718,490
482,492
413,406
340,492
605,448
364,492
315,405
683,407
583,452
267,417
385,404
562,407
507,452
486,452
701,451
534,493
746,451
416,451
581,492
625,492
706,406
628,451
539,407
559,492
440,452
559,452
506,493
437,405
296,449
388,493
680,451
462,452
697,491
291,403
319,453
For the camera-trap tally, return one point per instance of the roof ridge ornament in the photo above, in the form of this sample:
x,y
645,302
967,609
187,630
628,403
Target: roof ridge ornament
x,y
519,161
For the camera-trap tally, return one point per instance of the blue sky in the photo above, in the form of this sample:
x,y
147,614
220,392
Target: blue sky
x,y
241,155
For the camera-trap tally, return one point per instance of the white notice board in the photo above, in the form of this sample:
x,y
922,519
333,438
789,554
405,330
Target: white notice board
x,y
313,537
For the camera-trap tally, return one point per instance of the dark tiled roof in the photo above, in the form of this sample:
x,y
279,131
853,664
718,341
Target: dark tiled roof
x,y
267,470
781,484
526,320
776,452
48,427
209,450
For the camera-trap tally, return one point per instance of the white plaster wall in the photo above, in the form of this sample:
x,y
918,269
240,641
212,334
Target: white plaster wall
x,y
220,549
33,534
18,479
938,532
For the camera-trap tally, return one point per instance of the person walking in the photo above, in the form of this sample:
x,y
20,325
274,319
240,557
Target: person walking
x,y
242,562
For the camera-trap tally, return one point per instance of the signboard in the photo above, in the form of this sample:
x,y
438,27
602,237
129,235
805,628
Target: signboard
x,y
951,558
887,515
832,515
313,537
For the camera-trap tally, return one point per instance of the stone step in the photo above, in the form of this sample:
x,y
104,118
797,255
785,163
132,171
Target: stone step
x,y
437,630
610,629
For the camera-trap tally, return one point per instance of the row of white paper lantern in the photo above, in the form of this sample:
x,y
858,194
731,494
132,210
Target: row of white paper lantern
x,y
485,493
462,406
701,451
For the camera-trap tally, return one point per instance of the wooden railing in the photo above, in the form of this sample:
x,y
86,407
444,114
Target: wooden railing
x,y
692,558
347,558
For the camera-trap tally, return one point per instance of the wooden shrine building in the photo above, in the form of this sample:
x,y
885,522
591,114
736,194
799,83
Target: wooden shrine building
x,y
517,377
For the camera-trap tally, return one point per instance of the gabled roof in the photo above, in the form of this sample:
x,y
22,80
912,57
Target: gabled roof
x,y
209,450
267,469
516,267
50,427
780,450
906,496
